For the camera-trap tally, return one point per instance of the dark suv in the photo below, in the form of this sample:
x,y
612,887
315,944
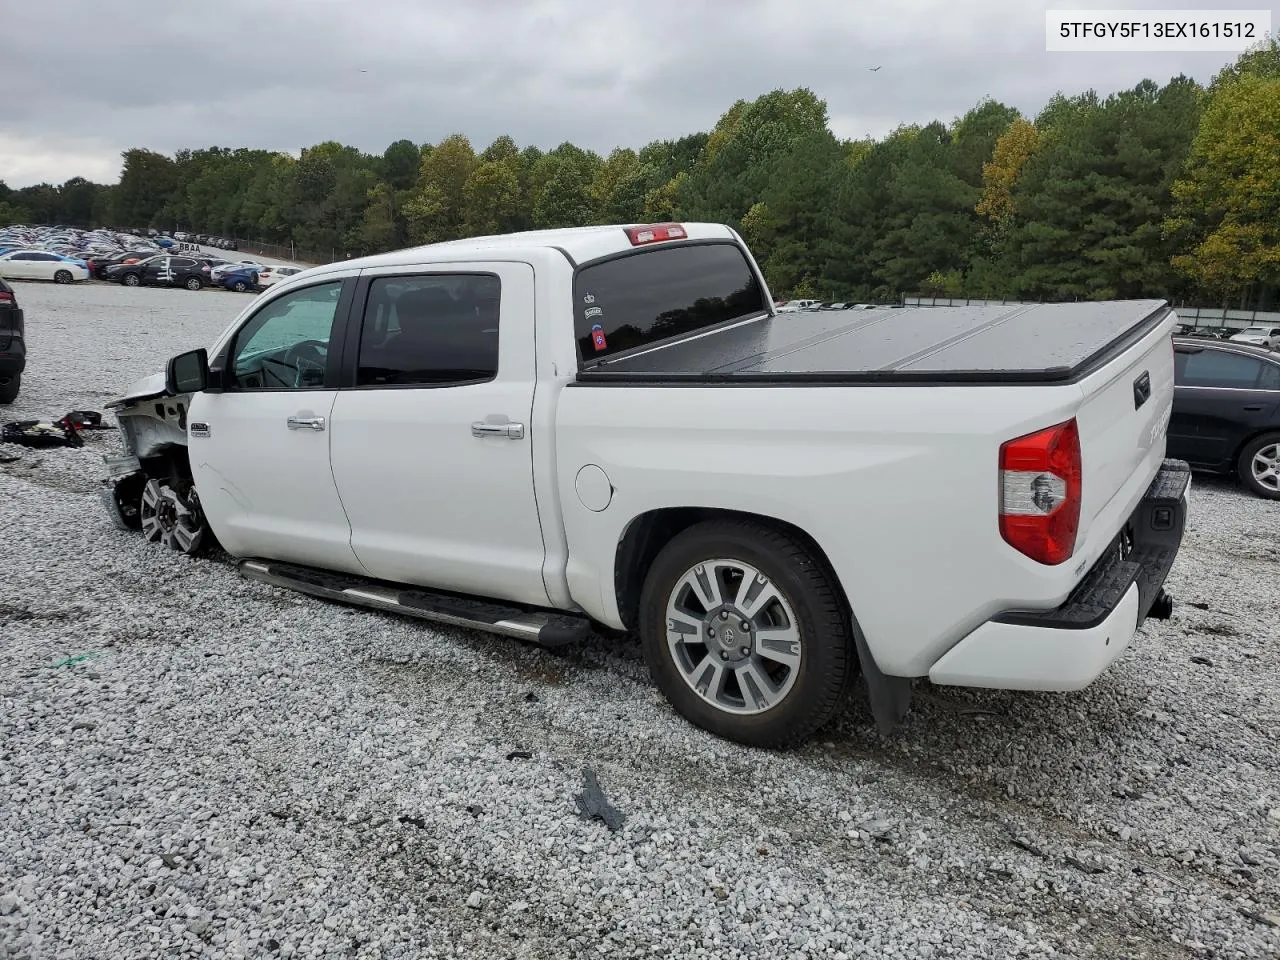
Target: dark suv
x,y
162,271
13,351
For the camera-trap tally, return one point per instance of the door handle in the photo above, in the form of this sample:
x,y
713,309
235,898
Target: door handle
x,y
1253,408
512,431
305,423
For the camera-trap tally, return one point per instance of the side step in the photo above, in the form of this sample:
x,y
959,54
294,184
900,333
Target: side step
x,y
547,628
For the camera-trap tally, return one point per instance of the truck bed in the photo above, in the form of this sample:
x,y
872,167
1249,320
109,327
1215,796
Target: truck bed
x,y
1012,343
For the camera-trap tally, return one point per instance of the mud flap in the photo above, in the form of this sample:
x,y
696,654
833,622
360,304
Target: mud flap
x,y
890,697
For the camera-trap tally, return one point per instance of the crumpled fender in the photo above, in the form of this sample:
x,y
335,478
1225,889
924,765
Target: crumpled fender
x,y
145,389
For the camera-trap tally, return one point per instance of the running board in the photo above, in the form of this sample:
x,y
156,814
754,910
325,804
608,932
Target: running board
x,y
547,628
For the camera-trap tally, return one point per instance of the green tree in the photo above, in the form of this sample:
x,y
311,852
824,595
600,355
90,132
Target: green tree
x,y
437,209
400,164
1091,199
147,181
381,227
492,198
1227,212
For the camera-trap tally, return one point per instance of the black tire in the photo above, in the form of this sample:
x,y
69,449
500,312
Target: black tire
x,y
131,280
9,391
1244,466
193,283
63,276
828,657
239,286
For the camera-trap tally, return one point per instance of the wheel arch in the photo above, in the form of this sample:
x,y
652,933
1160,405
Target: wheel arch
x,y
1248,439
647,533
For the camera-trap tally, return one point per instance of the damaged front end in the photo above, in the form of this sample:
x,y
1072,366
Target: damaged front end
x,y
148,484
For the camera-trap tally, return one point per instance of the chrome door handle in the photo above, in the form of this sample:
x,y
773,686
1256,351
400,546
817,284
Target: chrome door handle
x,y
305,423
512,431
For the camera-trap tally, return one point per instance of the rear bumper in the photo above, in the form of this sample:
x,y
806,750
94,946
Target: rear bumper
x,y
1068,647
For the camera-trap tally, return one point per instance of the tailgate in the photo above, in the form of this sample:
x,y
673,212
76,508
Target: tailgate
x,y
1123,417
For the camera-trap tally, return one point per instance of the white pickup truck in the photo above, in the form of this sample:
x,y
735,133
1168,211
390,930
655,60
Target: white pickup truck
x,y
544,433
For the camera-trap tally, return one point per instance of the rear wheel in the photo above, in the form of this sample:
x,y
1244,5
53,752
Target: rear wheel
x,y
1259,466
63,276
193,283
132,280
9,391
744,633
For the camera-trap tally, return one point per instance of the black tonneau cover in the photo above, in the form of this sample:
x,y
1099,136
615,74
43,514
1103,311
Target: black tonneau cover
x,y
1010,343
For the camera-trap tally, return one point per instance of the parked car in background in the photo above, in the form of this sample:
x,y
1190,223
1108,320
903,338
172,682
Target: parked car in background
x,y
1268,337
273,273
238,277
791,306
1226,411
103,263
162,271
41,265
13,350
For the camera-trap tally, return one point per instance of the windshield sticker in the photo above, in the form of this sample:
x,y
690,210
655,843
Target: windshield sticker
x,y
597,337
594,312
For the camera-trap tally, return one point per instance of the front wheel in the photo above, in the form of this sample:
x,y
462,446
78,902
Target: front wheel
x,y
1259,466
193,283
239,286
63,276
744,633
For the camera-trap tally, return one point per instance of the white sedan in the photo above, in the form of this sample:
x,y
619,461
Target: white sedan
x,y
273,272
40,265
1268,337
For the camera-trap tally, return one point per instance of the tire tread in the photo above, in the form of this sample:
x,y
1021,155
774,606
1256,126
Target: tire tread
x,y
822,604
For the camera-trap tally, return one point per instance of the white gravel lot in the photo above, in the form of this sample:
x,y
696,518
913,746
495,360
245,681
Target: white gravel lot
x,y
238,771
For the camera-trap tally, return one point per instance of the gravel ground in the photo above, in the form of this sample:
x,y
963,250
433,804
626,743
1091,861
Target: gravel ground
x,y
237,771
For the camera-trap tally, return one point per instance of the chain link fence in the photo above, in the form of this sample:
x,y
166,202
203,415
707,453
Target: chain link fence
x,y
291,252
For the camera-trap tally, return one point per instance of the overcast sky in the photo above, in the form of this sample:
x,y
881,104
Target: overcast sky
x,y
82,82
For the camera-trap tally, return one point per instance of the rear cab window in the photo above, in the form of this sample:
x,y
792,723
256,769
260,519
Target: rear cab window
x,y
643,298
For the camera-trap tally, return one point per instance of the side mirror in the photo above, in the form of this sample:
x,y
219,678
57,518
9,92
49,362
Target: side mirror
x,y
188,372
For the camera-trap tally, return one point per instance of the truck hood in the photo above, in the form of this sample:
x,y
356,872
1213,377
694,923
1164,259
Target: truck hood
x,y
144,389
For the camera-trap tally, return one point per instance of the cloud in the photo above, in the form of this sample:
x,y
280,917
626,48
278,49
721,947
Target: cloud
x,y
81,88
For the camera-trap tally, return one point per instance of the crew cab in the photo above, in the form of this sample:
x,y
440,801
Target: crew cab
x,y
545,433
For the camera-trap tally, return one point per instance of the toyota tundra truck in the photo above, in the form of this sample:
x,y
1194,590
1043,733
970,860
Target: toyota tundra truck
x,y
547,433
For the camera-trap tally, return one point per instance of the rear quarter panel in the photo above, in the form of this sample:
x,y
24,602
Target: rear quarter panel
x,y
898,485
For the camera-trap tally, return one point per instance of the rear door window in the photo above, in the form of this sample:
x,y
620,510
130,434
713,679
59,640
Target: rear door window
x,y
1218,368
430,330
643,298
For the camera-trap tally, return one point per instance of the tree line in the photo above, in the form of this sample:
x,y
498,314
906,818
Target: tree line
x,y
1167,191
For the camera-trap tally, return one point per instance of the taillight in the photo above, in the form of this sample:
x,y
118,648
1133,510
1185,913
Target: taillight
x,y
655,233
6,297
1040,493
